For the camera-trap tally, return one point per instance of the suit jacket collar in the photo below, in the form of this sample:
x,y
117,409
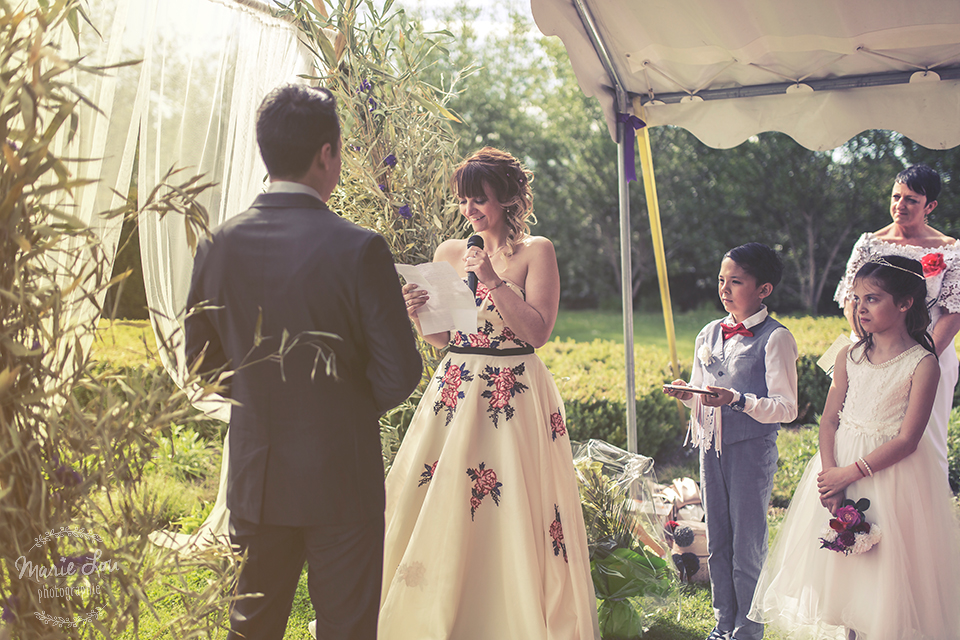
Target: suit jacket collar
x,y
289,201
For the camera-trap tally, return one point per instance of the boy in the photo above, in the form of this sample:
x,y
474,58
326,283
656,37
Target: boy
x,y
748,364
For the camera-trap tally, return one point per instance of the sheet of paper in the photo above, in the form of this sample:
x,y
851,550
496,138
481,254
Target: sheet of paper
x,y
451,307
829,357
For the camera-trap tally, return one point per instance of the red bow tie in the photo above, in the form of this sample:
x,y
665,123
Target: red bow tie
x,y
736,330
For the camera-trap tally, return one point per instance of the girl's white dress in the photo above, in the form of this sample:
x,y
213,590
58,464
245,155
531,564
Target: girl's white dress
x,y
908,585
943,296
485,536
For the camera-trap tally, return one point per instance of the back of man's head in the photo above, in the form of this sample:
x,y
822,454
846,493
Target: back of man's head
x,y
294,121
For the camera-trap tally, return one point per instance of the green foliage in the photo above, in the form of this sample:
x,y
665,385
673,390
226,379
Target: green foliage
x,y
591,380
953,450
797,445
183,455
74,439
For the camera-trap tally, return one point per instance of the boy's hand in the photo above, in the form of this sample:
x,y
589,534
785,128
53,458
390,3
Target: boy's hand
x,y
679,395
724,396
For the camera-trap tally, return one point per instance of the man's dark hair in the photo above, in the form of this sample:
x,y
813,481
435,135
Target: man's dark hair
x,y
921,179
293,123
758,260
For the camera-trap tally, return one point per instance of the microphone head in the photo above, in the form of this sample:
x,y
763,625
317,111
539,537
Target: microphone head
x,y
475,241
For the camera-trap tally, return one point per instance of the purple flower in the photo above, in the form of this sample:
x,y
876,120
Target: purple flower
x,y
382,187
849,516
847,538
365,85
9,609
390,160
405,212
67,476
373,104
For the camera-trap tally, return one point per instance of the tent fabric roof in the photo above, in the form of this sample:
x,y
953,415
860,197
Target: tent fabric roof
x,y
820,71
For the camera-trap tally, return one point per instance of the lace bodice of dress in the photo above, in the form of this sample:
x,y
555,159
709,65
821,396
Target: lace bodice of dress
x,y
944,288
491,332
877,394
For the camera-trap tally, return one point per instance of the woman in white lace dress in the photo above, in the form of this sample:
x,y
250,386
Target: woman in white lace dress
x,y
914,197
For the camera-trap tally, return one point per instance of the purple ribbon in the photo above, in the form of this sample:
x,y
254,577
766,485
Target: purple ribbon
x,y
629,136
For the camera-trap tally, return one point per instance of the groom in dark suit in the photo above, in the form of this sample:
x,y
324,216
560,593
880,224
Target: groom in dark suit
x,y
306,474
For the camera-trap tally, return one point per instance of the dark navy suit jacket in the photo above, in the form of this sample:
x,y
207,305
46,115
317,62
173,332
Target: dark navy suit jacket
x,y
304,447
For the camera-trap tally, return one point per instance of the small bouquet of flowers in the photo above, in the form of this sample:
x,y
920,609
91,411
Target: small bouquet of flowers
x,y
849,532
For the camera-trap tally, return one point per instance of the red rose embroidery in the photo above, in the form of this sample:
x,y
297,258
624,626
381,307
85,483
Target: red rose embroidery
x,y
487,480
556,531
484,484
452,377
506,380
557,428
500,398
480,340
933,264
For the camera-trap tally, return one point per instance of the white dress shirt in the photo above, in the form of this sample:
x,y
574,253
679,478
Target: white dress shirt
x,y
285,186
780,362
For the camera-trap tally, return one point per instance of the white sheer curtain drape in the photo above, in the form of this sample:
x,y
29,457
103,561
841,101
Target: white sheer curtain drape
x,y
191,104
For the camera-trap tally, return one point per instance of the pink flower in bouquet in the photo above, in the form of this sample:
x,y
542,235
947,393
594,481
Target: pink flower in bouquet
x,y
486,480
848,516
932,264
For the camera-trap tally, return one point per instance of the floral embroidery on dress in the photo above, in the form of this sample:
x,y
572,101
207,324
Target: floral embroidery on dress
x,y
427,474
505,386
450,392
482,337
557,428
556,532
413,574
484,483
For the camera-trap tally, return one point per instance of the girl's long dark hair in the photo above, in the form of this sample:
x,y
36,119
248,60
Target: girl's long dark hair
x,y
902,278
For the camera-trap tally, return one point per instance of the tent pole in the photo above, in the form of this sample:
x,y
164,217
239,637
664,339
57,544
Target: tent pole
x,y
656,235
626,279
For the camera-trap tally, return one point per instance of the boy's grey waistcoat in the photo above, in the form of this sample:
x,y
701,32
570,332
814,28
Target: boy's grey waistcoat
x,y
740,365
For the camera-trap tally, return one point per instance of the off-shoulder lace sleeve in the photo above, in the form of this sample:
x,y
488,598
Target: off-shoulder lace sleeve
x,y
950,288
860,254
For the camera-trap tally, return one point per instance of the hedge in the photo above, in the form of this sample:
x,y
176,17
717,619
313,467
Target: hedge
x,y
592,382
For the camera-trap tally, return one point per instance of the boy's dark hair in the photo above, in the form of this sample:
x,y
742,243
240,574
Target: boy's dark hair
x,y
759,260
294,121
902,278
922,179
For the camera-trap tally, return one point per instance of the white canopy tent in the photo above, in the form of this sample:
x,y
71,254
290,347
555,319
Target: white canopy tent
x,y
820,71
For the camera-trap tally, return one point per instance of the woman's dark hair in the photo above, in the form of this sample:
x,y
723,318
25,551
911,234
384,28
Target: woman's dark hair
x,y
921,179
902,278
510,182
758,260
294,121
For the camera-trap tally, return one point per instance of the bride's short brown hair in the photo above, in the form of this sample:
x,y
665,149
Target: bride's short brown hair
x,y
510,182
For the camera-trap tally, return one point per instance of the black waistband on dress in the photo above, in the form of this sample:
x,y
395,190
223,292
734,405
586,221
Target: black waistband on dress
x,y
485,351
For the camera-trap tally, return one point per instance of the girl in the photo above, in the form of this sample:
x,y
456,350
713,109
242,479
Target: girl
x,y
906,585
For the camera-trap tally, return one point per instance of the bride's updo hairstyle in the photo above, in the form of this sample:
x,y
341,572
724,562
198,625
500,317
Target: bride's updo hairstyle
x,y
510,182
903,279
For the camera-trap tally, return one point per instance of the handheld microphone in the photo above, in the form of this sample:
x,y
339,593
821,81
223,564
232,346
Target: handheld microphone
x,y
474,241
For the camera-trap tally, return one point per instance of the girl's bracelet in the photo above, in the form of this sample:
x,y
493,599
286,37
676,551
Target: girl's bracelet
x,y
866,466
860,469
492,289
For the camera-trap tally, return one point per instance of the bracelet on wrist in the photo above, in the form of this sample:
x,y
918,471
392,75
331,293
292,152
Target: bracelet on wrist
x,y
502,282
866,466
860,469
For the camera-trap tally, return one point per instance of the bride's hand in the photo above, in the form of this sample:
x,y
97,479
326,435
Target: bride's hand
x,y
414,298
477,261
